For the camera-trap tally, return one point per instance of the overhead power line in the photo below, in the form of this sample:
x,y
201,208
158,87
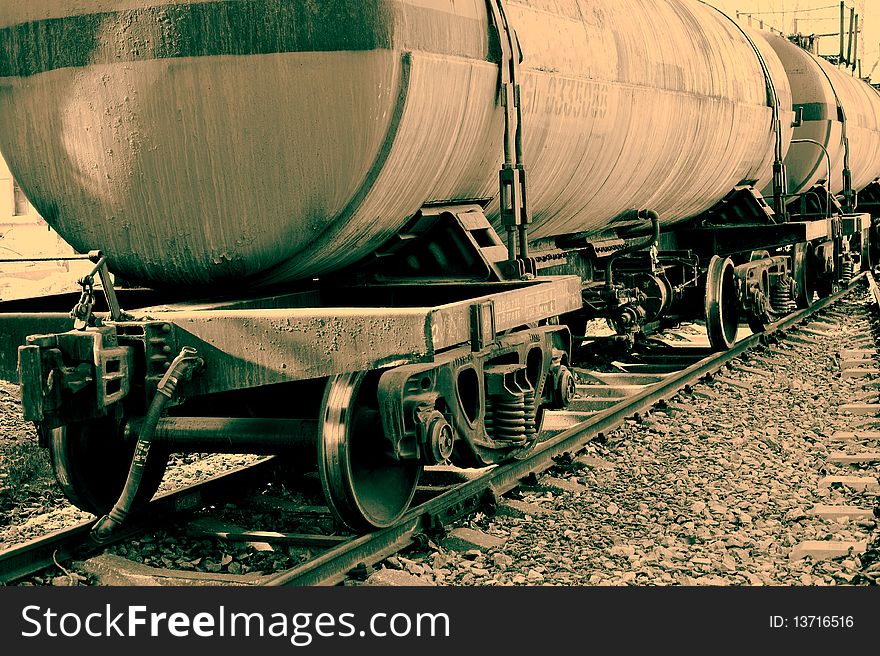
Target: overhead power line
x,y
762,13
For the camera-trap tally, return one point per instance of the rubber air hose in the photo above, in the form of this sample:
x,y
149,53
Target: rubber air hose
x,y
181,368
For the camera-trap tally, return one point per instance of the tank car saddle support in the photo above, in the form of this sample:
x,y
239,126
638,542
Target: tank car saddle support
x,y
442,242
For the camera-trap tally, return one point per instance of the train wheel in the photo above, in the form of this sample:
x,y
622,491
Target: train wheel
x,y
365,488
91,462
804,274
721,304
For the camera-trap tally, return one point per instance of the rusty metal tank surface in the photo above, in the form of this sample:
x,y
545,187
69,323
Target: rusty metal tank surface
x,y
203,141
817,87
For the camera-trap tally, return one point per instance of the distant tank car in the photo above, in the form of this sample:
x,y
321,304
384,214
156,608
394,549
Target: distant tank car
x,y
834,106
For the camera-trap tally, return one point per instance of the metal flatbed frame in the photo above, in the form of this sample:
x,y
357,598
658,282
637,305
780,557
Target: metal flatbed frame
x,y
311,334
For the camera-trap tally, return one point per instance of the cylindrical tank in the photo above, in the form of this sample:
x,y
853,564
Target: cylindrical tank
x,y
817,86
201,142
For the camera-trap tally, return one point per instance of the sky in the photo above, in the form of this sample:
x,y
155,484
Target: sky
x,y
823,20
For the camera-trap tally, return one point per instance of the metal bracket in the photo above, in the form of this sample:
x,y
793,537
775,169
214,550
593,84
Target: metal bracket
x,y
742,206
442,242
82,311
512,177
482,325
54,369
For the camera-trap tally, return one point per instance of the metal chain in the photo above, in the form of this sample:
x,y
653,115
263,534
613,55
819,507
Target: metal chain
x,y
82,311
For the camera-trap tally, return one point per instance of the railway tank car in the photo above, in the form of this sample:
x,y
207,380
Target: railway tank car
x,y
215,142
834,159
834,107
367,230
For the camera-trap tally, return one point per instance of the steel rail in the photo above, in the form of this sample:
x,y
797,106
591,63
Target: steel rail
x,y
332,566
875,290
39,554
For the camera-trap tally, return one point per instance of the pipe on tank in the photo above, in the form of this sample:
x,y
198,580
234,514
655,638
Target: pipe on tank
x,y
849,42
634,245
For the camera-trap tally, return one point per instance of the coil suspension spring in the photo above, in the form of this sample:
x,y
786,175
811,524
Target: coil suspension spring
x,y
508,419
511,406
513,420
531,415
847,271
780,298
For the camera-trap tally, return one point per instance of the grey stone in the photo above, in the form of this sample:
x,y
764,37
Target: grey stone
x,y
468,539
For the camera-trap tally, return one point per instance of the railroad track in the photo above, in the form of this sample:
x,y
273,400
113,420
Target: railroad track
x,y
605,401
42,553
